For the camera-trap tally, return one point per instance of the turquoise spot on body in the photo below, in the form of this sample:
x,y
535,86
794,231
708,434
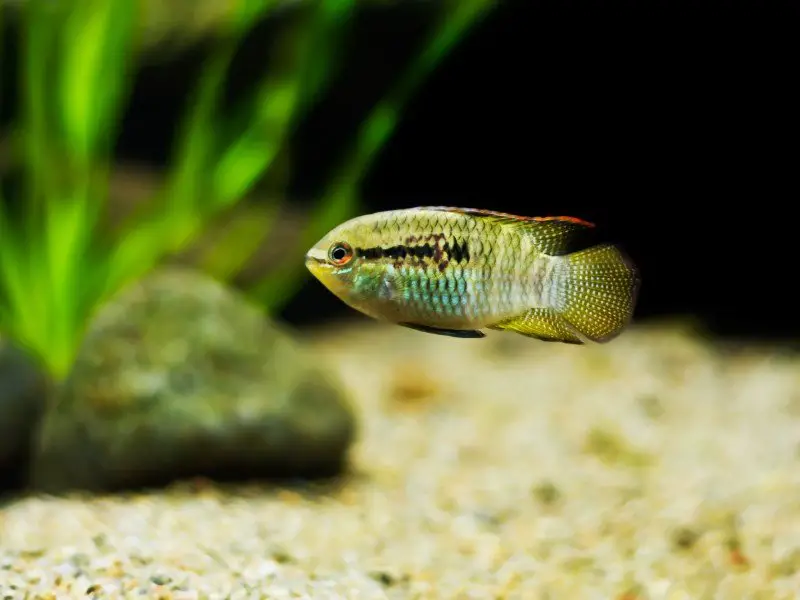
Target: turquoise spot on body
x,y
452,282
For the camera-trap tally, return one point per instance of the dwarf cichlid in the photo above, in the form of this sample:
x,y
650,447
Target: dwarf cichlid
x,y
455,271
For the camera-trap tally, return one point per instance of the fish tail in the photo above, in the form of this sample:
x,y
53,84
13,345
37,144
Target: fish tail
x,y
590,288
590,296
595,292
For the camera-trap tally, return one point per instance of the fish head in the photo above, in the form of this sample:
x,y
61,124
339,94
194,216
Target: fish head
x,y
334,262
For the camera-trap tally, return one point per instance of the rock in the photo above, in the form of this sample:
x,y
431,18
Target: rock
x,y
179,376
23,390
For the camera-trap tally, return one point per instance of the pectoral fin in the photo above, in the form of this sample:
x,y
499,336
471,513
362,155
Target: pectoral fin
x,y
459,333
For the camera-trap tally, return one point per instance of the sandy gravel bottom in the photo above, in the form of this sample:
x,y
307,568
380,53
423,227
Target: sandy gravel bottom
x,y
653,467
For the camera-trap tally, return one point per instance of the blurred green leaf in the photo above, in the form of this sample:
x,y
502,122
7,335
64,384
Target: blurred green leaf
x,y
248,12
325,50
237,242
96,41
38,37
2,48
73,78
15,289
308,55
177,213
95,47
75,69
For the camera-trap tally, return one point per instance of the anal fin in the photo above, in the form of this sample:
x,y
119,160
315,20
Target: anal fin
x,y
458,333
541,323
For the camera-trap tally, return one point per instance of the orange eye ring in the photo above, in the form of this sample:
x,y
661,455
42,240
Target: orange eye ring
x,y
340,253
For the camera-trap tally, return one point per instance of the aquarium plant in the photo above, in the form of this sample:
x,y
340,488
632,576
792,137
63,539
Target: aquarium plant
x,y
77,63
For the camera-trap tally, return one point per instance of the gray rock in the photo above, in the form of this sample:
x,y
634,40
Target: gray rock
x,y
23,392
180,376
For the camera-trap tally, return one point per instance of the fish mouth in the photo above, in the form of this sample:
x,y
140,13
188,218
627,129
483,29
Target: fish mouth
x,y
317,261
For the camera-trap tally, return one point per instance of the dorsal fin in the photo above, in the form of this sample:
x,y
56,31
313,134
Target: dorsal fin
x,y
553,235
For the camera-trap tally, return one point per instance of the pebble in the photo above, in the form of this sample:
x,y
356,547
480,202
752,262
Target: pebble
x,y
23,395
179,376
443,501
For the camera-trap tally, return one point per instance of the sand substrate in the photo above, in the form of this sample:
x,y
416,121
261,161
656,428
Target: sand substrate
x,y
656,466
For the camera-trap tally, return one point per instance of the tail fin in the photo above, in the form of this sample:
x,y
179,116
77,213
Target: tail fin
x,y
593,290
592,298
596,292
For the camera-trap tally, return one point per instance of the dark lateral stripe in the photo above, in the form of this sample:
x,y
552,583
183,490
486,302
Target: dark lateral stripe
x,y
458,252
455,252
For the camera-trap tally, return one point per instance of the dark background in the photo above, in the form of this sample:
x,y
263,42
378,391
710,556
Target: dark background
x,y
673,126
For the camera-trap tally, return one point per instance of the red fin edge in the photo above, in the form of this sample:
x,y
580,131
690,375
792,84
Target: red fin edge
x,y
575,220
480,212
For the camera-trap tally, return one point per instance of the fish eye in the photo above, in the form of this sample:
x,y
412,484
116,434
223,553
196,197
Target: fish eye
x,y
340,253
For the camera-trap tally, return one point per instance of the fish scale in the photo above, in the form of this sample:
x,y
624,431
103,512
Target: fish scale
x,y
455,271
453,290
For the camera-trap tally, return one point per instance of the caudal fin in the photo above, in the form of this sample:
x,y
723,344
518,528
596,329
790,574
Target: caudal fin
x,y
596,292
592,289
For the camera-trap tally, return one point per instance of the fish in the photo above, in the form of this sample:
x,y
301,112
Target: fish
x,y
460,271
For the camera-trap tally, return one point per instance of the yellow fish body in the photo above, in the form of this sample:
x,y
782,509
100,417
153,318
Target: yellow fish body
x,y
455,271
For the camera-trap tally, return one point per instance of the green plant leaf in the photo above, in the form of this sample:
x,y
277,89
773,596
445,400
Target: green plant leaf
x,y
96,40
74,74
307,57
308,51
237,241
248,12
176,214
75,63
328,29
38,36
2,47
